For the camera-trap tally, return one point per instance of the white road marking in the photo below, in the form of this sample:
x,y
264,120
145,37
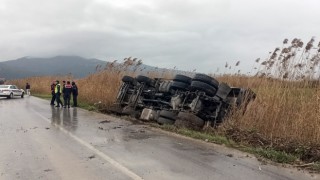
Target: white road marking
x,y
113,162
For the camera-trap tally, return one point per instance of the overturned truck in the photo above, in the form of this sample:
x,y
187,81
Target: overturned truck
x,y
184,101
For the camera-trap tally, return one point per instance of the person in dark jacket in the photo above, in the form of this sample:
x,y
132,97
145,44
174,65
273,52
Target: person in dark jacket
x,y
57,91
74,94
67,94
53,98
28,88
63,91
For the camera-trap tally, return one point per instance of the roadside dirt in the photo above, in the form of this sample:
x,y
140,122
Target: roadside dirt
x,y
308,153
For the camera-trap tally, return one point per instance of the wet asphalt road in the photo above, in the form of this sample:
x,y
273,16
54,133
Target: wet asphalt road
x,y
41,142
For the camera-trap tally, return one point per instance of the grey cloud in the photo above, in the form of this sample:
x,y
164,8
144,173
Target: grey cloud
x,y
189,34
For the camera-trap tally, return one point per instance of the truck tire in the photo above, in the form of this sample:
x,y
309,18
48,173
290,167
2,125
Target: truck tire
x,y
144,79
148,81
162,120
182,78
206,79
168,114
189,120
201,86
127,79
176,85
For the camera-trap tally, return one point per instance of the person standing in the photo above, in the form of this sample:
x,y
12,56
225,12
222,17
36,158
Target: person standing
x,y
53,98
67,94
57,91
74,94
63,91
28,89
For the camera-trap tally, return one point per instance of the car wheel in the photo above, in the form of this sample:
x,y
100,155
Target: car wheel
x,y
10,96
201,86
22,95
206,79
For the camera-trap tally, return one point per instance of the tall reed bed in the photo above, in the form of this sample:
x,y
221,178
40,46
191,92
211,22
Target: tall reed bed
x,y
287,108
283,110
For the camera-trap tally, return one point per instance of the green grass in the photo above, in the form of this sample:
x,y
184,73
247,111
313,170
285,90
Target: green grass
x,y
271,154
316,167
205,136
268,153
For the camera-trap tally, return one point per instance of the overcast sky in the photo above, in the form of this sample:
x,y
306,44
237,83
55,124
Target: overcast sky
x,y
188,34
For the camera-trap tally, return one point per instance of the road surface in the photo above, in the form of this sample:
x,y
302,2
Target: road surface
x,y
41,142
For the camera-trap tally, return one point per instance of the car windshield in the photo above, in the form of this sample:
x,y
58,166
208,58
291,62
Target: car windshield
x,y
3,86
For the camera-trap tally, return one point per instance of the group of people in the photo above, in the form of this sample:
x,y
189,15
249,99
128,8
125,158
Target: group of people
x,y
66,90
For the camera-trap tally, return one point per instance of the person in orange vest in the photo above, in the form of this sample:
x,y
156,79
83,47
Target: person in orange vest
x,y
67,94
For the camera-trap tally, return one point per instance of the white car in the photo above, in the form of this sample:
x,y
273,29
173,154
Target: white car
x,y
10,91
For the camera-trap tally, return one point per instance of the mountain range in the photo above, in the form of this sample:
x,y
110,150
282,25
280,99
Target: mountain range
x,y
59,65
76,66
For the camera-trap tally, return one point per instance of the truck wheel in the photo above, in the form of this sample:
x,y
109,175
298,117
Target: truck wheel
x,y
148,81
189,120
168,114
144,79
206,79
127,79
182,78
208,89
176,85
162,120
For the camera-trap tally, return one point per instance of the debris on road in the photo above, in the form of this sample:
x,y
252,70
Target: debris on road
x,y
47,170
106,121
91,157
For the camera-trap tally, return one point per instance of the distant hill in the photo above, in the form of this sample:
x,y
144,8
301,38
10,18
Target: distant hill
x,y
77,66
59,65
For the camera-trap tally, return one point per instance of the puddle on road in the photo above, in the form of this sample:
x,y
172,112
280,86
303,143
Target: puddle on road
x,y
65,117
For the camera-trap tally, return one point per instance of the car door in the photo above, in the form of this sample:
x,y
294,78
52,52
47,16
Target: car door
x,y
16,91
12,90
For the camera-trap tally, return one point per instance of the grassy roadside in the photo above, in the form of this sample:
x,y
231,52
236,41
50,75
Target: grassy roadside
x,y
260,152
212,137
